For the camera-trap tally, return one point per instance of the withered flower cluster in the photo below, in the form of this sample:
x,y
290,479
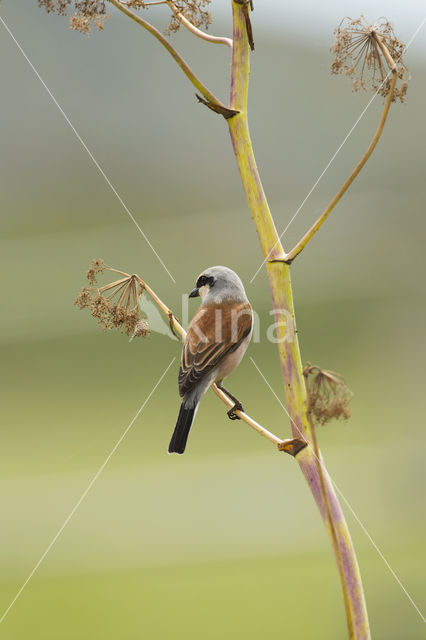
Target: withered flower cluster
x,y
137,4
359,55
194,10
97,266
115,306
86,12
328,395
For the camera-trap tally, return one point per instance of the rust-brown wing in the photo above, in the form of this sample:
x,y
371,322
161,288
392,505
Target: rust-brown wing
x,y
215,331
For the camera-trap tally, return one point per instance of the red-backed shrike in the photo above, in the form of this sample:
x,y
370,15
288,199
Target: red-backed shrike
x,y
217,339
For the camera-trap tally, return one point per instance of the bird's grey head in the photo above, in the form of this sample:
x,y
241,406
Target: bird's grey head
x,y
218,284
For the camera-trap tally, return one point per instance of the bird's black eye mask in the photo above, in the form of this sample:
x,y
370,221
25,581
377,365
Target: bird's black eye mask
x,y
205,280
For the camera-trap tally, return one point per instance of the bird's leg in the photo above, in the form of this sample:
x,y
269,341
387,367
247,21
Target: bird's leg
x,y
237,404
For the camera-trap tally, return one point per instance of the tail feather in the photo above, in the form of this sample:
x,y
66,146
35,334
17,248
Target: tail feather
x,y
182,429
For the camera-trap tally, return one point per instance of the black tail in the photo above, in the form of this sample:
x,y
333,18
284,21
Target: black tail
x,y
182,428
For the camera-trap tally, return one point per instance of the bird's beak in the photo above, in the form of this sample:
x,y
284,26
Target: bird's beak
x,y
194,293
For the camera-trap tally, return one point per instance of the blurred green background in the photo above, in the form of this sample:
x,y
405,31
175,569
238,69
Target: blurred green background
x,y
225,541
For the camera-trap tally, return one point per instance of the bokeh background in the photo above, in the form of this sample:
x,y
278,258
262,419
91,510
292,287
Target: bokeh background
x,y
225,541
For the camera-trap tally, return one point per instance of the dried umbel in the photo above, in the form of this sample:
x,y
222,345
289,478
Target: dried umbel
x,y
328,395
115,306
194,10
141,329
366,52
97,266
86,12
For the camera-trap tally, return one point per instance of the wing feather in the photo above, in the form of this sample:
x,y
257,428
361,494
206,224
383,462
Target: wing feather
x,y
215,331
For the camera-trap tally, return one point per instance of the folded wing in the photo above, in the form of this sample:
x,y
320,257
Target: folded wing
x,y
215,331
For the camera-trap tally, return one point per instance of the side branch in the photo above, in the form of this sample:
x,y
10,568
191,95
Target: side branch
x,y
289,257
197,32
208,95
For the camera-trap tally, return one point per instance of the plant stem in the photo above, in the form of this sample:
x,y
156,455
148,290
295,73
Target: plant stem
x,y
197,32
175,55
345,186
282,297
332,530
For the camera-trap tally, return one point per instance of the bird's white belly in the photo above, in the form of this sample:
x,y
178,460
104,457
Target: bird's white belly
x,y
232,360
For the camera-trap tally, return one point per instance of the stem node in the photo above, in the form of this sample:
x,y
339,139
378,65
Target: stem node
x,y
292,446
217,108
285,259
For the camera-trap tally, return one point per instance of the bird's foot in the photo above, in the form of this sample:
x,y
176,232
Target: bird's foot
x,y
231,413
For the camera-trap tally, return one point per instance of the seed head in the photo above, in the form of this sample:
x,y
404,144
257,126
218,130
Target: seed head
x,y
194,10
84,298
115,305
141,329
136,4
328,394
86,12
359,55
97,266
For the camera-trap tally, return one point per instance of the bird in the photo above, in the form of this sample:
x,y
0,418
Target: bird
x,y
217,338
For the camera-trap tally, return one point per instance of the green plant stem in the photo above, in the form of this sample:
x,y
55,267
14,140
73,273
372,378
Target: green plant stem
x,y
349,180
208,95
282,297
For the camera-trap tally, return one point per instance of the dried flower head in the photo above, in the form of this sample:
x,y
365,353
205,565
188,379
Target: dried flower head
x,y
141,329
86,12
97,266
84,298
194,10
115,306
328,394
136,4
359,54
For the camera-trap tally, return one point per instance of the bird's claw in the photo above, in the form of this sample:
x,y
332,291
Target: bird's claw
x,y
231,413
